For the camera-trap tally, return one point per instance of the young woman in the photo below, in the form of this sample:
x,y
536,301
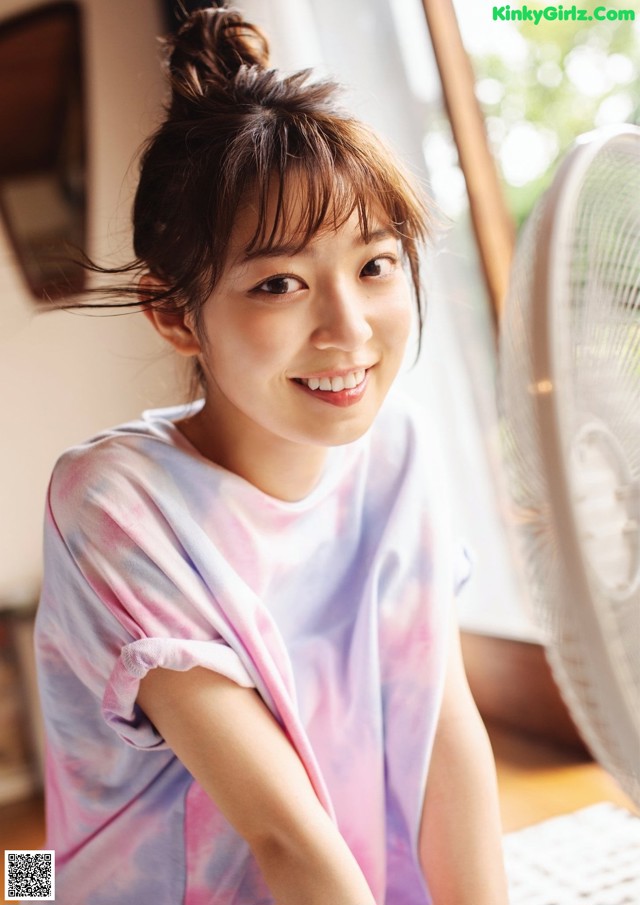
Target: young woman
x,y
250,671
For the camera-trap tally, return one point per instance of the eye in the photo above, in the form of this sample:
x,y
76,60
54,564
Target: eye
x,y
379,267
282,284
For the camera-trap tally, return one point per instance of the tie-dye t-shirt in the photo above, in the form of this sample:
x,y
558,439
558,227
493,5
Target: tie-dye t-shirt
x,y
334,607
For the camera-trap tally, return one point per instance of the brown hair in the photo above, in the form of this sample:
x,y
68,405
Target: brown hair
x,y
235,129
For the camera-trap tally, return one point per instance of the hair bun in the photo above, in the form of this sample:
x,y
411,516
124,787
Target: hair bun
x,y
209,49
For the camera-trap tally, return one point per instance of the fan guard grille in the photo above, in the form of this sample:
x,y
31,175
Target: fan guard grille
x,y
570,399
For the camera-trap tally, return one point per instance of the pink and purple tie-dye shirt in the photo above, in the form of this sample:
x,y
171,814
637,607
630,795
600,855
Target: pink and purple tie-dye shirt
x,y
334,607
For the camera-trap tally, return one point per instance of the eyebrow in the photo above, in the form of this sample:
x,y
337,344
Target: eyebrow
x,y
289,249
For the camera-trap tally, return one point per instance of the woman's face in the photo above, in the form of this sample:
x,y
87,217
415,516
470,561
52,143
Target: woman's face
x,y
299,348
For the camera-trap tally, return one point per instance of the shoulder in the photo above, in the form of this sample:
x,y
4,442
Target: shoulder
x,y
402,433
93,463
112,470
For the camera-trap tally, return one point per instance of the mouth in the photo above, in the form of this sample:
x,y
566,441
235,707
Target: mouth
x,y
334,384
341,390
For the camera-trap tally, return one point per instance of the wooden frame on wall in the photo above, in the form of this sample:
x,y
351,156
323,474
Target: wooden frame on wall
x,y
43,152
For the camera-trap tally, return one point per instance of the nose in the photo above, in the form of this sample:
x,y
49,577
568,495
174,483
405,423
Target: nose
x,y
342,321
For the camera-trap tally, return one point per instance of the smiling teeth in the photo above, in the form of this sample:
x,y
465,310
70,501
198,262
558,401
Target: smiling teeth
x,y
335,384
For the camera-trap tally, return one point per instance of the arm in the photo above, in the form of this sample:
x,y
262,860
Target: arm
x,y
460,835
229,741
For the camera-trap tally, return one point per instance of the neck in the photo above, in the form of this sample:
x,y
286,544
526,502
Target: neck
x,y
281,468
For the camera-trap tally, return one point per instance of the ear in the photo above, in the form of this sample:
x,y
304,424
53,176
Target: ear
x,y
174,326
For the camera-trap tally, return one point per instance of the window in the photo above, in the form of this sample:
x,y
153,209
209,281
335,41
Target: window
x,y
541,84
42,152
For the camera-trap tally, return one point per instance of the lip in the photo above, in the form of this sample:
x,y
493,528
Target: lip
x,y
341,399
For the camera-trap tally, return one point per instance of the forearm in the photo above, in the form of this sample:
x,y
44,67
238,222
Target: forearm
x,y
461,849
316,870
460,838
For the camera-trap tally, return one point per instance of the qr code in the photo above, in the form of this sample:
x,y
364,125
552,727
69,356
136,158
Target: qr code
x,y
30,875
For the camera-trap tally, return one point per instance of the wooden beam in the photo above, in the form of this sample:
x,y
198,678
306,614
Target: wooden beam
x,y
492,223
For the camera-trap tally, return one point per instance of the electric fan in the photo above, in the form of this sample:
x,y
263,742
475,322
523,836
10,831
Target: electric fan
x,y
569,391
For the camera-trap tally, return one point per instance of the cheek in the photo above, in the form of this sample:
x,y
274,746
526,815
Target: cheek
x,y
397,317
258,342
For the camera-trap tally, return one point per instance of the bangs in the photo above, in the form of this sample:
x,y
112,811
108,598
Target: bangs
x,y
305,182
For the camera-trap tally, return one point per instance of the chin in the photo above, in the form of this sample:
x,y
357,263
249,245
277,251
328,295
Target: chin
x,y
341,434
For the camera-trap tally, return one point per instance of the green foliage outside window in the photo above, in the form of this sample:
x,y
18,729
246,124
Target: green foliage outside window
x,y
563,79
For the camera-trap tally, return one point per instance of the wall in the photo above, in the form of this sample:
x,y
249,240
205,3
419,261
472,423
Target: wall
x,y
66,375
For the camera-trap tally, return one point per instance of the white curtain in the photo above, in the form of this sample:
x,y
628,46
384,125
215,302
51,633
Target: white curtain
x,y
380,51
